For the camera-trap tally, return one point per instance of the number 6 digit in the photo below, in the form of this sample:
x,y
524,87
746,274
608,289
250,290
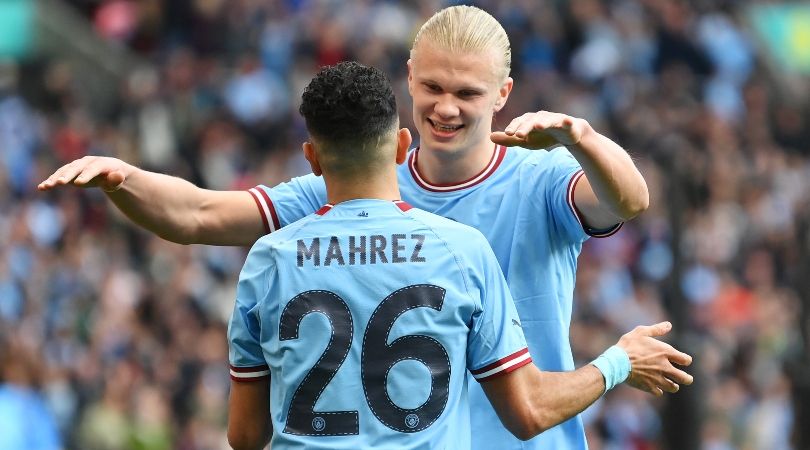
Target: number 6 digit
x,y
378,357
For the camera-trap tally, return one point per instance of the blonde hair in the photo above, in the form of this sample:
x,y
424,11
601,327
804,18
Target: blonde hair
x,y
466,29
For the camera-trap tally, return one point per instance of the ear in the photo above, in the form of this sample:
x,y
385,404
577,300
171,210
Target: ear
x,y
312,157
404,141
503,93
410,76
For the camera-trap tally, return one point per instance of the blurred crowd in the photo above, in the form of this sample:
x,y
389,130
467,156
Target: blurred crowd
x,y
111,338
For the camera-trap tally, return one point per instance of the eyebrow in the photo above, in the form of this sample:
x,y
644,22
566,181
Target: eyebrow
x,y
468,87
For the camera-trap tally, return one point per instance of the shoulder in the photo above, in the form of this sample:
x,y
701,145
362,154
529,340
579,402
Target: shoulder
x,y
276,239
307,183
309,179
458,236
299,188
541,169
438,222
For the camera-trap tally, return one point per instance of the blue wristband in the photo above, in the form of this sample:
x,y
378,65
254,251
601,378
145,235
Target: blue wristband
x,y
614,365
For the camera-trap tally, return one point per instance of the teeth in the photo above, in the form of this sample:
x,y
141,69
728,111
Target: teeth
x,y
446,127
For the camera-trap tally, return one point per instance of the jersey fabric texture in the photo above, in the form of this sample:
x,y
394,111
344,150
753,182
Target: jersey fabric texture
x,y
367,317
522,202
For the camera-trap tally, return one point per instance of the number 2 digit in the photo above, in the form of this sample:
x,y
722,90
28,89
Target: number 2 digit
x,y
302,418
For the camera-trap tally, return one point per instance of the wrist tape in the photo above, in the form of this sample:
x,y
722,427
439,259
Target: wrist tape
x,y
614,365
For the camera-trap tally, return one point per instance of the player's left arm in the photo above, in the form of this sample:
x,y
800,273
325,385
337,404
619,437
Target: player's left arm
x,y
249,421
612,189
529,401
249,425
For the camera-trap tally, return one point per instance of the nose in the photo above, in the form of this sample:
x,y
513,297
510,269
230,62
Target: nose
x,y
446,107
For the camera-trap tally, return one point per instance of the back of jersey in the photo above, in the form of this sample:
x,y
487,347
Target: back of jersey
x,y
367,315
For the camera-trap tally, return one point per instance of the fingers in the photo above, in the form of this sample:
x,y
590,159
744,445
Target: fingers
x,y
680,358
536,121
528,125
516,123
114,181
646,385
62,175
655,386
501,138
668,385
679,376
658,329
88,172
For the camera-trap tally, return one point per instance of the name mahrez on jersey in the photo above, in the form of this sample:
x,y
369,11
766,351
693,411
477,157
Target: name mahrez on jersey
x,y
359,250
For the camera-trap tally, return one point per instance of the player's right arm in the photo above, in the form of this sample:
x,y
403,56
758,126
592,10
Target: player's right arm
x,y
529,401
170,207
177,210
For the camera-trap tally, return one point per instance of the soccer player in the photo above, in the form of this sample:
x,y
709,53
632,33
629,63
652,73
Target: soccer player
x,y
363,316
534,207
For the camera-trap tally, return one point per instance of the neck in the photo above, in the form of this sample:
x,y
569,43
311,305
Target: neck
x,y
381,186
440,167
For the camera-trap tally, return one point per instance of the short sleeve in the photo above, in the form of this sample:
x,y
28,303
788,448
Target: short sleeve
x,y
247,361
562,176
496,344
288,202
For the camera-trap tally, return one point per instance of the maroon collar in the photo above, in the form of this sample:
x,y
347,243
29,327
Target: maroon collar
x,y
497,157
404,206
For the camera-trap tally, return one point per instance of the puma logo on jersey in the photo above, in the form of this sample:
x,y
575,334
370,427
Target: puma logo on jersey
x,y
360,250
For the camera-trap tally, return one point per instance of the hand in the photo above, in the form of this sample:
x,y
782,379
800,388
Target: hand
x,y
91,171
651,360
541,130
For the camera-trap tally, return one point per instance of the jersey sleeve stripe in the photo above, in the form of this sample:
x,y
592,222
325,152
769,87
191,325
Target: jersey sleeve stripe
x,y
604,233
250,373
503,366
275,221
262,211
572,184
268,211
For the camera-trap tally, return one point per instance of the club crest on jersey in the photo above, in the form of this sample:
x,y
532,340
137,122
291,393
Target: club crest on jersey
x,y
411,421
361,250
318,423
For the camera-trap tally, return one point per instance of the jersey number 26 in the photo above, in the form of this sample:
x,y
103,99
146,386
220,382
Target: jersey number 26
x,y
377,359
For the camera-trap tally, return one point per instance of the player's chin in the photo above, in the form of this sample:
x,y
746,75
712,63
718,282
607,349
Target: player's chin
x,y
447,146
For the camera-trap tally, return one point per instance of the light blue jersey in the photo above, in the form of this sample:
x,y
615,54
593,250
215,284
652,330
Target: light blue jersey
x,y
367,317
523,204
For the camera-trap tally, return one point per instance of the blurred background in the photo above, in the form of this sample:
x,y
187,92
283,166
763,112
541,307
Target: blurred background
x,y
111,338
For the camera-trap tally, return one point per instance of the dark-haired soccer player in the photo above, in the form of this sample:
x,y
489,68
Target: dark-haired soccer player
x,y
354,327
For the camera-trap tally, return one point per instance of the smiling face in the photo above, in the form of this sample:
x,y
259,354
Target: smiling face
x,y
455,95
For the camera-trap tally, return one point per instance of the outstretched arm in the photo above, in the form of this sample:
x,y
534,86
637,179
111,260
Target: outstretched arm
x,y
612,189
170,207
529,401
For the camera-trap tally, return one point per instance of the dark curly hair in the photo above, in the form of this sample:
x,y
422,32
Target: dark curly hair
x,y
347,106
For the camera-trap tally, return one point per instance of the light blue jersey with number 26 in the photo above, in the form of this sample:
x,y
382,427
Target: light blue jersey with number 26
x,y
367,317
522,202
